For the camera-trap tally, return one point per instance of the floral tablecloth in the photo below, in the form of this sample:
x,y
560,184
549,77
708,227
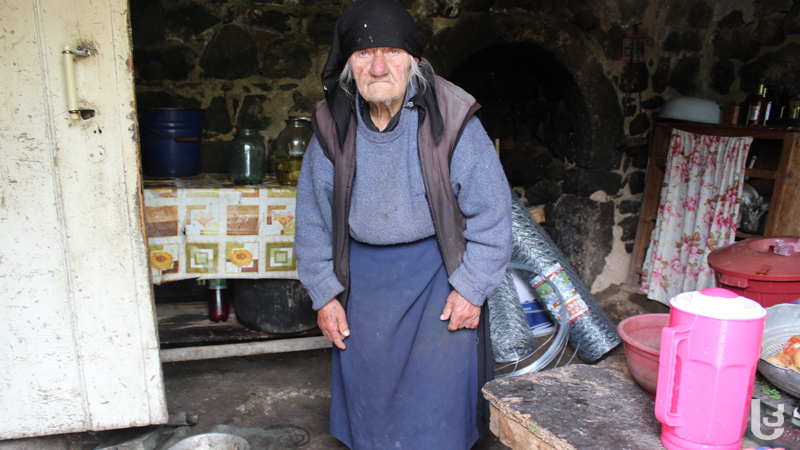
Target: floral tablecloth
x,y
207,227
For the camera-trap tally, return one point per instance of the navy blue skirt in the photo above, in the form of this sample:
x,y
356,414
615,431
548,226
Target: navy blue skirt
x,y
404,381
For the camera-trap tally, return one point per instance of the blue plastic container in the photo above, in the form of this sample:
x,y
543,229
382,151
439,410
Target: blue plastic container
x,y
535,314
170,141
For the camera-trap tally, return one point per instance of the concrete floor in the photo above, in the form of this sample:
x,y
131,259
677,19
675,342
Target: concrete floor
x,y
274,390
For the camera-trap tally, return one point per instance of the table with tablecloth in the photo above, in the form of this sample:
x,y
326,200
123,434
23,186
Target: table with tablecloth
x,y
207,227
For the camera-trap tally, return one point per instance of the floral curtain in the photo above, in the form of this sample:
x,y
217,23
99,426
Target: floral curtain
x,y
697,213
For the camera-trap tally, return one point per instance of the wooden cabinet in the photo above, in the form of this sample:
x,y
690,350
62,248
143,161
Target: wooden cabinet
x,y
775,174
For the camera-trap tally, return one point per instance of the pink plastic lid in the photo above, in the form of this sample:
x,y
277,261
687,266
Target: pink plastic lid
x,y
753,259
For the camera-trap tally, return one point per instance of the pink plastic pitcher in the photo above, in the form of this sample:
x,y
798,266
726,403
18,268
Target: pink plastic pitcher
x,y
707,365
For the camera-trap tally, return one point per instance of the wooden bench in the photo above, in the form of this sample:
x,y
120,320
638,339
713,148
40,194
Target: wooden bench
x,y
574,407
588,407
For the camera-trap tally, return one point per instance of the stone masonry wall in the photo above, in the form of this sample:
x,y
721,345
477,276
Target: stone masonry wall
x,y
252,63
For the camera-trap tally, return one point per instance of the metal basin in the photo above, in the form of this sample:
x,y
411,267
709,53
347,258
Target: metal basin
x,y
212,441
782,322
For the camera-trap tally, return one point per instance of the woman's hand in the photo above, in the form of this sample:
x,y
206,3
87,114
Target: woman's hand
x,y
332,320
460,312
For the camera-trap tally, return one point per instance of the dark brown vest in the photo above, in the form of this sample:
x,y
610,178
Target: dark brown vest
x,y
457,107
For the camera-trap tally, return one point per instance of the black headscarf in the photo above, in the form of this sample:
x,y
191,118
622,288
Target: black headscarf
x,y
369,24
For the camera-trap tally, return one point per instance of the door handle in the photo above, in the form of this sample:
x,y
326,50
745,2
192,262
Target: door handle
x,y
72,92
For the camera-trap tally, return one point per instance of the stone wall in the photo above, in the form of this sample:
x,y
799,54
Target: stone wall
x,y
252,63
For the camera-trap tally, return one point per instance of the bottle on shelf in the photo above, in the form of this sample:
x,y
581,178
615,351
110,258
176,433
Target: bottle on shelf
x,y
733,114
794,107
769,103
755,103
219,301
781,108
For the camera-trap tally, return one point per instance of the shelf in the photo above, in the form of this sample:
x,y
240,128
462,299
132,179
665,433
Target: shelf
x,y
760,173
776,132
186,333
776,154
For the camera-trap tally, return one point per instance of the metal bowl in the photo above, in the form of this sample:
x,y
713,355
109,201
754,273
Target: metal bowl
x,y
211,441
783,322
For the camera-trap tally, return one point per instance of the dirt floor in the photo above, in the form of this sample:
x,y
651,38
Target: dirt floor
x,y
263,391
288,391
286,394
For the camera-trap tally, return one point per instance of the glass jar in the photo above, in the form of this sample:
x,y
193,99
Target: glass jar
x,y
290,146
247,157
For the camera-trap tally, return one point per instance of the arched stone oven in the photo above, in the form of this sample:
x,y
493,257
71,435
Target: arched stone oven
x,y
557,118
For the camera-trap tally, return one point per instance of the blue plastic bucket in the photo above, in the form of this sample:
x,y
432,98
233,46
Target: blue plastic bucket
x,y
170,141
535,314
538,320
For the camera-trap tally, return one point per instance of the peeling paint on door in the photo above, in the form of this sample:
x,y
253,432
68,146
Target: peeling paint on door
x,y
83,349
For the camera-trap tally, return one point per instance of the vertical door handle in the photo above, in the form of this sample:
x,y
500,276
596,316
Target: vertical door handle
x,y
72,92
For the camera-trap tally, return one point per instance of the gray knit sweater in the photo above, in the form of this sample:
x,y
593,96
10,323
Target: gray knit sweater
x,y
388,206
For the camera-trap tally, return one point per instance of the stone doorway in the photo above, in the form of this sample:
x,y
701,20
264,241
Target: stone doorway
x,y
532,104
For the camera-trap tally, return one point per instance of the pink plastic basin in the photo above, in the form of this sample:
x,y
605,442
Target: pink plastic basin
x,y
641,336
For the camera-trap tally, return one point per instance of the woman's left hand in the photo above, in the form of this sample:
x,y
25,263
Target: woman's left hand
x,y
460,312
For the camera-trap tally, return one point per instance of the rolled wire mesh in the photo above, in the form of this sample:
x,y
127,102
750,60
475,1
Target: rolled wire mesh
x,y
512,339
591,334
554,345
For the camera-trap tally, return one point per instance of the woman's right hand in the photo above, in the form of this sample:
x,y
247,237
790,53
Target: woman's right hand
x,y
332,320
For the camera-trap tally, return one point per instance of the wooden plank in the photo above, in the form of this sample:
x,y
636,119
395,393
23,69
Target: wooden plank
x,y
537,212
758,132
514,435
743,235
650,199
575,407
187,334
244,349
784,215
760,173
187,324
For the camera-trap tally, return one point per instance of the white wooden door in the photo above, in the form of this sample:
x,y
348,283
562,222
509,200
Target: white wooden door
x,y
78,341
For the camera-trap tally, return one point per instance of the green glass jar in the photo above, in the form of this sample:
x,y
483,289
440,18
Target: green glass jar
x,y
290,146
247,157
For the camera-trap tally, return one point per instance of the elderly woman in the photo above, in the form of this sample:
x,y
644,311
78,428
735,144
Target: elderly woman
x,y
403,230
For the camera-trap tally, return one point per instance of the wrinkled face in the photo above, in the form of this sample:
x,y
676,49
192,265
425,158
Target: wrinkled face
x,y
381,73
